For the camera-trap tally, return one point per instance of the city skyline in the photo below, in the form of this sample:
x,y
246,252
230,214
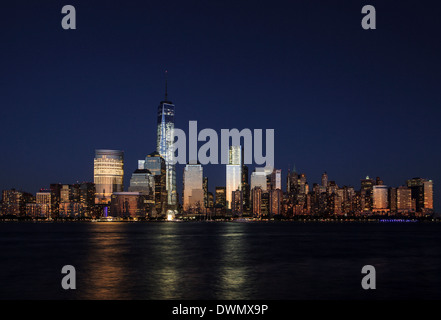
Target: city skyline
x,y
147,196
341,99
264,194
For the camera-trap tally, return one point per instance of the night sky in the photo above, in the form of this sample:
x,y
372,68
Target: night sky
x,y
341,99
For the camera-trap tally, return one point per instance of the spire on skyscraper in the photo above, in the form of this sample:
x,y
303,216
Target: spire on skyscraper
x,y
166,72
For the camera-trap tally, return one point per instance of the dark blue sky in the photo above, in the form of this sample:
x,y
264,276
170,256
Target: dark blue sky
x,y
341,99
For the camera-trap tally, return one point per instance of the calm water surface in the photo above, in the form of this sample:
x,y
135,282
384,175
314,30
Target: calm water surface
x,y
204,260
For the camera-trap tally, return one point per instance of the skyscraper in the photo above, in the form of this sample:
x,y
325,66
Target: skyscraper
x,y
164,146
422,194
142,181
234,173
43,200
404,200
245,189
325,180
275,201
237,203
155,164
258,179
366,194
220,197
12,201
380,198
205,187
276,179
292,186
428,196
86,197
256,200
108,174
193,187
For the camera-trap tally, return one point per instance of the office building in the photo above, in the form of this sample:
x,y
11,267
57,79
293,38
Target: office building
x,y
380,198
234,173
221,198
108,174
193,188
131,205
142,181
164,146
155,164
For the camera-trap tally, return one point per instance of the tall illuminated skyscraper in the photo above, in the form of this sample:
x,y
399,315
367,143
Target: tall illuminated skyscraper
x,y
108,174
234,173
428,196
164,145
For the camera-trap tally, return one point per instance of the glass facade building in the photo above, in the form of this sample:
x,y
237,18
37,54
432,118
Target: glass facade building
x,y
234,173
108,174
142,181
193,187
164,146
155,164
258,179
131,205
381,196
221,200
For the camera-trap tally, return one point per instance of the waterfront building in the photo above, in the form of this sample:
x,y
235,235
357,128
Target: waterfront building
x,y
275,202
193,188
276,179
245,189
237,203
292,186
264,203
44,203
205,187
164,146
142,181
380,198
428,196
259,179
392,199
131,205
256,200
210,202
422,194
367,194
155,164
234,173
221,198
87,198
108,174
14,202
404,200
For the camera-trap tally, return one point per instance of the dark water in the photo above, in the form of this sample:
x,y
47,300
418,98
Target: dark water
x,y
220,260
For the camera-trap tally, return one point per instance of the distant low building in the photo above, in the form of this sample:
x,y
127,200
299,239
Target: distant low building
x,y
132,205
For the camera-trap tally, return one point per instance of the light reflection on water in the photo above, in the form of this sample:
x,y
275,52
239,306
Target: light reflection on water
x,y
219,260
232,270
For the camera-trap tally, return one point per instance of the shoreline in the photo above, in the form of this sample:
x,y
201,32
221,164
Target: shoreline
x,y
234,220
